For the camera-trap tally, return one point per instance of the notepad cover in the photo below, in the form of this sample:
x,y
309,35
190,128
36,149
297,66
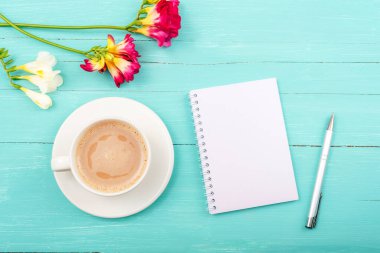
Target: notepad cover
x,y
243,145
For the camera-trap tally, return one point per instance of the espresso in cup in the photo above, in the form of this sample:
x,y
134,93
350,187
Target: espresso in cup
x,y
111,156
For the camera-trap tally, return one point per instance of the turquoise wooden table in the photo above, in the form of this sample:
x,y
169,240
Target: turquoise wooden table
x,y
326,56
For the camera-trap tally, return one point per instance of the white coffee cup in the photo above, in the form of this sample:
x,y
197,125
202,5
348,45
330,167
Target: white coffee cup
x,y
65,163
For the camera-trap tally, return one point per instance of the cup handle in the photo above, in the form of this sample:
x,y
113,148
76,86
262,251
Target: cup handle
x,y
60,163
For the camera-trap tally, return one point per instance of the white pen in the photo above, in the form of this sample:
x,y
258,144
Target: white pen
x,y
317,193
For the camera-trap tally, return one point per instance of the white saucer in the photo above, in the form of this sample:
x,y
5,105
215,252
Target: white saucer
x,y
154,182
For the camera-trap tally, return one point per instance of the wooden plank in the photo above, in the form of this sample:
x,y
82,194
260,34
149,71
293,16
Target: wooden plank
x,y
295,78
36,216
203,53
357,121
224,23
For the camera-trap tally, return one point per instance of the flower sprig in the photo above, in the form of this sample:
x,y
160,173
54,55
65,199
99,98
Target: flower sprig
x,y
157,19
40,99
120,59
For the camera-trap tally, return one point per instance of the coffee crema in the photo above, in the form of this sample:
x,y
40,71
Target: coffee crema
x,y
111,156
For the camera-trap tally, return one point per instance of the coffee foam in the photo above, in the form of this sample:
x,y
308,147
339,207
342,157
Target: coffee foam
x,y
111,156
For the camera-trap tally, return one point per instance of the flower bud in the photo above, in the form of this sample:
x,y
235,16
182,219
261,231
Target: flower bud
x,y
40,99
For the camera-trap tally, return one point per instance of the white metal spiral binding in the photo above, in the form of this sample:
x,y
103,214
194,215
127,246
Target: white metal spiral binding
x,y
202,145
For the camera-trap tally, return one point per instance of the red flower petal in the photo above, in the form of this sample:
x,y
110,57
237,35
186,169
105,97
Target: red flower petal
x,y
127,47
87,66
115,73
162,22
127,68
94,65
110,41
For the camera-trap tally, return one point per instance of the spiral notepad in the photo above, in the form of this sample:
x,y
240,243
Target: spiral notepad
x,y
243,146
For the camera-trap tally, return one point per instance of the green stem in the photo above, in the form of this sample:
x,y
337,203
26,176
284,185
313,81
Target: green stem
x,y
41,39
9,75
74,27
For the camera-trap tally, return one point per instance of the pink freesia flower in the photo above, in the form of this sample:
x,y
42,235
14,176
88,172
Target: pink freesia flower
x,y
120,60
162,21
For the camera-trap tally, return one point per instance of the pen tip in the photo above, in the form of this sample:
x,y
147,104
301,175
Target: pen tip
x,y
331,124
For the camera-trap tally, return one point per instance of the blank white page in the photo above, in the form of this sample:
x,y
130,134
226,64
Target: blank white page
x,y
243,146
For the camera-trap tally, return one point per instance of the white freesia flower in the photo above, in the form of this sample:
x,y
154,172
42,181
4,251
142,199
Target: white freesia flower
x,y
44,76
40,99
45,61
49,83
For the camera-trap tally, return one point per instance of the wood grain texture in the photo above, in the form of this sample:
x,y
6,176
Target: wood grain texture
x,y
326,56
